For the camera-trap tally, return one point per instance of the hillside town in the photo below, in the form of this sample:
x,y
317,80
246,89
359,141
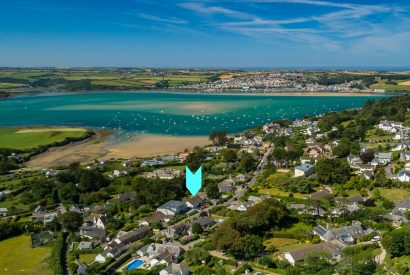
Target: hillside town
x,y
325,194
275,82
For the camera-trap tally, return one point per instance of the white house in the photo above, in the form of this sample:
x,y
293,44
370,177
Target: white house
x,y
304,170
403,176
384,158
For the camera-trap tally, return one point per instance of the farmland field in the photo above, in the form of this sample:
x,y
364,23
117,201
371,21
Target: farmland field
x,y
17,257
17,138
391,88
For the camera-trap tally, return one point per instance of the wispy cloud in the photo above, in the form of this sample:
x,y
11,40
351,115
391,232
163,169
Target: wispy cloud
x,y
171,20
343,25
213,10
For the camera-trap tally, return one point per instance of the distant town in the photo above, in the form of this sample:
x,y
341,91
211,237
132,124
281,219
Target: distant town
x,y
32,80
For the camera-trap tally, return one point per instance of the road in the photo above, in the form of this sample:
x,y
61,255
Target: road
x,y
259,168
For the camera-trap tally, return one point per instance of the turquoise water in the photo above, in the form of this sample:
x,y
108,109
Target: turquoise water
x,y
135,264
165,113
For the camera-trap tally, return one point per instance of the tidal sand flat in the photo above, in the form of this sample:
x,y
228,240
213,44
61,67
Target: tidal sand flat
x,y
142,145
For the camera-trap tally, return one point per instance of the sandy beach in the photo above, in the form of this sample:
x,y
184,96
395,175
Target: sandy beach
x,y
143,145
146,145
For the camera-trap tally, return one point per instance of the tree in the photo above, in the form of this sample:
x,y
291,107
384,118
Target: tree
x,y
367,156
247,162
197,255
331,171
71,220
318,263
197,229
229,155
68,193
203,270
397,242
218,137
91,180
212,191
194,160
380,178
341,150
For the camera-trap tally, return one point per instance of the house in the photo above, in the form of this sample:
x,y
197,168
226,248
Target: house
x,y
96,220
403,176
306,159
226,186
299,255
254,199
396,220
126,197
315,151
401,134
172,208
119,172
156,217
205,222
133,235
92,232
304,170
152,162
354,161
85,245
176,231
166,174
175,269
402,146
355,199
244,206
347,234
401,207
3,211
320,194
195,201
160,254
4,194
239,178
405,156
384,158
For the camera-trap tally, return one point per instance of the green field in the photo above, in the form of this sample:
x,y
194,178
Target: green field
x,y
17,257
16,138
389,87
394,194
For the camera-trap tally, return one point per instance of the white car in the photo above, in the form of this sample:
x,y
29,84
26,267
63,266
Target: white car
x,y
376,238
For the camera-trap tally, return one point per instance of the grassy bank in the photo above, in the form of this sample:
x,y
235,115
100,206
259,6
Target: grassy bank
x,y
17,257
30,138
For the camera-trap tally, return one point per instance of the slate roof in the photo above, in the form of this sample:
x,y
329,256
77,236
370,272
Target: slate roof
x,y
303,253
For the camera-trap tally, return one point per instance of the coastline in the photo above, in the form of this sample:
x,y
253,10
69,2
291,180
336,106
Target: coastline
x,y
199,92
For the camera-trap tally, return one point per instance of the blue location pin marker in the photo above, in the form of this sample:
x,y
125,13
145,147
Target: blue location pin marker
x,y
193,181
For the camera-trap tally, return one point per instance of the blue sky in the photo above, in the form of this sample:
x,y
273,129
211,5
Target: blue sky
x,y
174,33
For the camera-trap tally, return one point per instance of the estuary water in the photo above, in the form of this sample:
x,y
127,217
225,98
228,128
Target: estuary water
x,y
128,113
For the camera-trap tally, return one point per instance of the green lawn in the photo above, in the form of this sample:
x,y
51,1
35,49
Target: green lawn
x,y
394,194
278,193
16,138
17,257
87,258
279,242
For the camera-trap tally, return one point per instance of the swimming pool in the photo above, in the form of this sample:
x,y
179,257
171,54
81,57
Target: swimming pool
x,y
134,264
